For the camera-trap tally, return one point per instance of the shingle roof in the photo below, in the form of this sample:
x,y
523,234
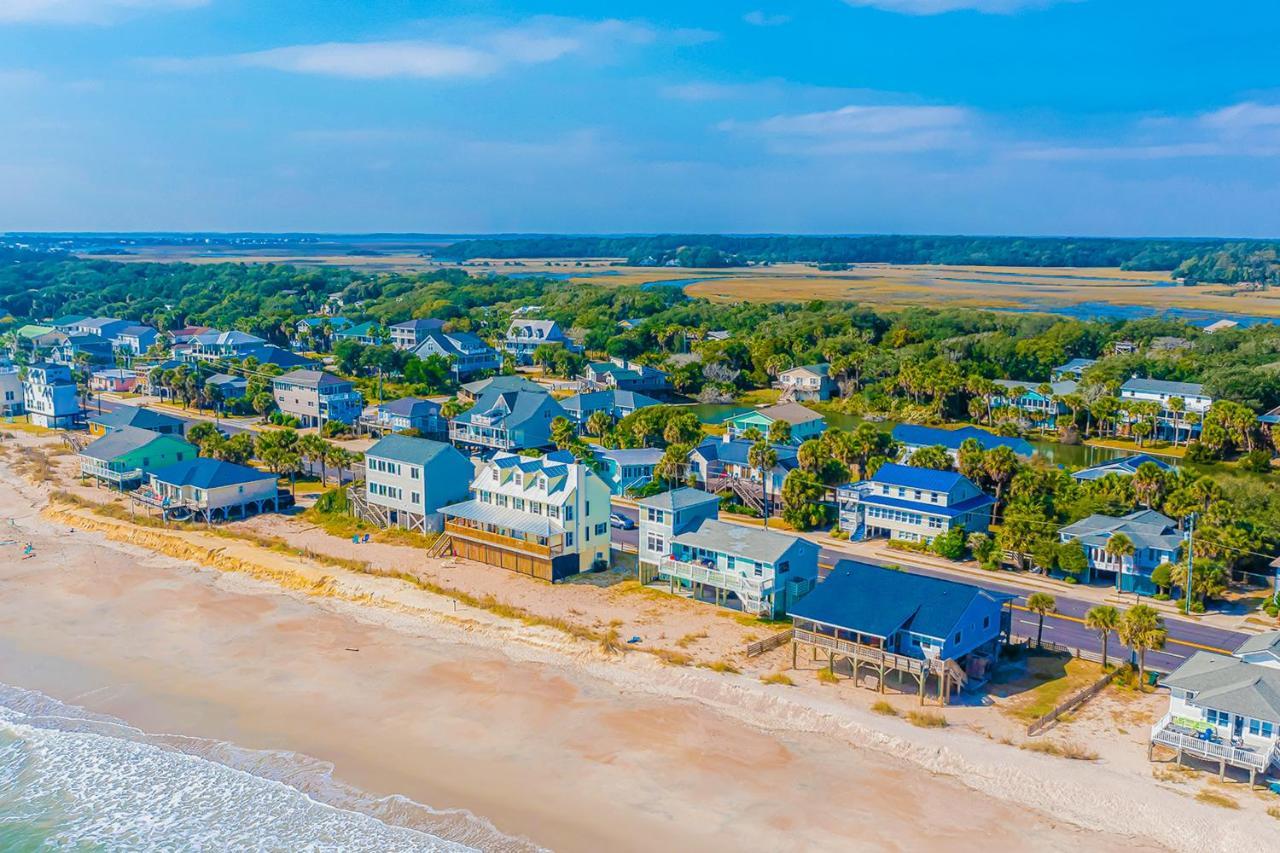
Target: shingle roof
x,y
413,451
136,416
1162,386
923,436
311,378
120,441
419,325
879,601
765,546
1146,528
502,383
1268,642
1229,684
792,413
203,473
1076,365
519,406
678,499
411,407
609,400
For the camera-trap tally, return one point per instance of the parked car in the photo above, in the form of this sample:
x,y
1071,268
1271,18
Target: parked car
x,y
621,522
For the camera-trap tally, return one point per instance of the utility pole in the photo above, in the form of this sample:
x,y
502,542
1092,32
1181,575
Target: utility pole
x,y
1191,560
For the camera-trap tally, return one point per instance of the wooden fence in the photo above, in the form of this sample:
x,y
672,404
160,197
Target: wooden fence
x,y
759,647
1072,702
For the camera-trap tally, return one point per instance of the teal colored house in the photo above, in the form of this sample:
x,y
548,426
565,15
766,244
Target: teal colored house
x,y
126,455
805,422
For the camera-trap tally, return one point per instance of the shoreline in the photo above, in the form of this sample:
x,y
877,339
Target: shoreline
x,y
807,729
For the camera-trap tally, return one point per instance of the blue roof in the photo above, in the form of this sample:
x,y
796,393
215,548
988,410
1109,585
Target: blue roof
x,y
204,473
968,505
893,474
923,436
1123,466
880,602
138,416
735,451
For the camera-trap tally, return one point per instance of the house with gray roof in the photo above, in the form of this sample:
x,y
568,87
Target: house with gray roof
x,y
125,455
410,333
807,382
623,375
471,391
1073,369
1155,539
467,354
805,423
524,336
408,480
1037,404
139,417
229,387
507,420
213,345
135,338
1171,421
625,469
616,404
407,413
1225,709
315,397
1125,466
683,543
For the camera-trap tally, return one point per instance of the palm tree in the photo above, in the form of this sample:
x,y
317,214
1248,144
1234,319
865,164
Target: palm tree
x,y
1041,603
1176,406
312,448
1119,546
763,458
1142,629
599,422
1104,620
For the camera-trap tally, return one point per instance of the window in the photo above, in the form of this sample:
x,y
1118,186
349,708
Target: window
x,y
956,639
414,497
553,511
1261,728
517,503
1217,718
655,544
568,540
601,528
568,513
986,621
414,472
588,507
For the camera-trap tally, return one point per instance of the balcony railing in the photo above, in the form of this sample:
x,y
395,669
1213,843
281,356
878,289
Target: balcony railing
x,y
102,472
1169,733
731,581
514,543
487,438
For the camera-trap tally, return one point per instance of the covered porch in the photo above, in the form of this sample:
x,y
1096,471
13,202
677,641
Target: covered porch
x,y
512,539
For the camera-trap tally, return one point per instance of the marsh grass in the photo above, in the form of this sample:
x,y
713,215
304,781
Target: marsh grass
x,y
927,719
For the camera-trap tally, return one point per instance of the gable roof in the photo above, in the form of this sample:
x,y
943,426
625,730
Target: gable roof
x,y
819,370
535,329
1259,643
122,440
911,477
766,546
596,400
513,408
413,451
678,499
1145,528
915,435
1060,388
419,325
204,473
878,601
1076,365
502,383
792,413
737,451
1162,386
1124,466
366,329
136,416
311,379
411,407
1227,683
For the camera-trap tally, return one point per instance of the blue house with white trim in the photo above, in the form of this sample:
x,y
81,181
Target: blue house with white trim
x,y
912,504
1155,537
937,621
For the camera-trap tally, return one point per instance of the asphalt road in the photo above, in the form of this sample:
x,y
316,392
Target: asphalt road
x,y
1065,627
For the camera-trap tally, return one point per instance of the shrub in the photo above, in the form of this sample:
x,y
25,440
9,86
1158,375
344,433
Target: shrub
x,y
778,678
1257,461
883,707
1197,452
826,676
721,666
927,719
1073,751
1213,798
950,545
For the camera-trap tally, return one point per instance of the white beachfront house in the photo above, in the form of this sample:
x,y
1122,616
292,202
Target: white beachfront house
x,y
1169,423
51,397
533,515
1226,708
408,480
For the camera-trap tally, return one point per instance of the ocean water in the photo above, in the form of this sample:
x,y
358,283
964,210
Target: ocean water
x,y
71,780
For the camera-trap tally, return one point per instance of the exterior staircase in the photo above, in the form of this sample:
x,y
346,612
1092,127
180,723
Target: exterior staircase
x,y
747,493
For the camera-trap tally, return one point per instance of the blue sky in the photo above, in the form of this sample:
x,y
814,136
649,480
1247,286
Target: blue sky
x,y
1109,117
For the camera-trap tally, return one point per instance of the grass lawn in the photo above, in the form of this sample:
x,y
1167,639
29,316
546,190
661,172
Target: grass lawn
x,y
1048,679
1155,448
759,397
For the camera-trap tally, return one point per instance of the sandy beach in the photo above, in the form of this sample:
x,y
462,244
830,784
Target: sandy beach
x,y
515,736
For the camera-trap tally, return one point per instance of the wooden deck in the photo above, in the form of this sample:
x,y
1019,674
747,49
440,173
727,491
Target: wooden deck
x,y
949,675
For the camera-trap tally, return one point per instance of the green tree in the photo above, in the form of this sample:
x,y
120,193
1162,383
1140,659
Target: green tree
x,y
779,432
936,458
1142,630
802,505
1072,560
763,458
563,434
1104,619
598,423
1041,603
951,544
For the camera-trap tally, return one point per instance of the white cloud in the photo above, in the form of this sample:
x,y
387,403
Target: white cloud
x,y
865,128
458,51
760,18
939,7
82,11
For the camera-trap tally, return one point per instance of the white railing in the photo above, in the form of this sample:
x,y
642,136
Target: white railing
x,y
496,438
1260,757
102,472
733,582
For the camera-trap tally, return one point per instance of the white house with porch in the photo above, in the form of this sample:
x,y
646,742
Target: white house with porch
x,y
1225,709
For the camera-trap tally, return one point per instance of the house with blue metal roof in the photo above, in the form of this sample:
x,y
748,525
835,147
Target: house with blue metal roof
x,y
912,504
625,469
209,490
1125,466
407,413
912,437
125,455
898,622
